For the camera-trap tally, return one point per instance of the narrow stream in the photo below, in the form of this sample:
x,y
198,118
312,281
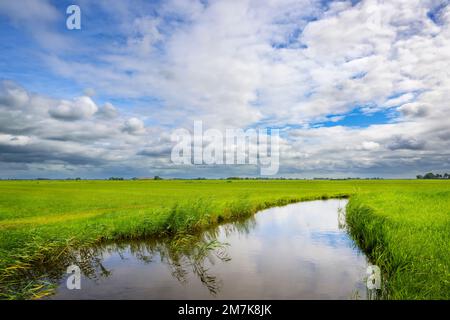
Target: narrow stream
x,y
299,251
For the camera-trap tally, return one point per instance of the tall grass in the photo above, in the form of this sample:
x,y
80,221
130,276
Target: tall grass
x,y
408,239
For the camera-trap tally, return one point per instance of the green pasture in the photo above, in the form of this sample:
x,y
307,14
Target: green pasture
x,y
403,225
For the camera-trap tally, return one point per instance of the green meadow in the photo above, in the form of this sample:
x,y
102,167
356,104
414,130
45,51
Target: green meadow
x,y
402,225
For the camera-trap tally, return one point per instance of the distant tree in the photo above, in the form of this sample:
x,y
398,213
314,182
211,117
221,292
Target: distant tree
x,y
157,178
429,175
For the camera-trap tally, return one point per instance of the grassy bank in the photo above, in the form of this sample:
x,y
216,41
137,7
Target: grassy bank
x,y
408,236
41,220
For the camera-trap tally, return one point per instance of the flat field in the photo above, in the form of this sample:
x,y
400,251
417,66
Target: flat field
x,y
402,225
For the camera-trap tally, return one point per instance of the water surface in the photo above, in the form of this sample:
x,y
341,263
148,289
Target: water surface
x,y
299,251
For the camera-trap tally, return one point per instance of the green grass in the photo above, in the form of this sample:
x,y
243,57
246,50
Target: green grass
x,y
407,234
403,225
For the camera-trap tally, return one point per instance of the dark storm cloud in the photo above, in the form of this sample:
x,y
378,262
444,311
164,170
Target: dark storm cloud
x,y
444,135
40,154
406,143
156,151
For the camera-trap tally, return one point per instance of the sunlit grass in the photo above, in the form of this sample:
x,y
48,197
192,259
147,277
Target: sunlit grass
x,y
404,225
408,236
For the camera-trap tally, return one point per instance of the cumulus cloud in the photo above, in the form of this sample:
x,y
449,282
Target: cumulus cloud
x,y
80,108
237,63
414,109
12,95
370,145
134,126
41,132
107,111
408,143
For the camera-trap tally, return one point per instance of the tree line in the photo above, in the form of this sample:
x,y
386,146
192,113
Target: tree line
x,y
431,175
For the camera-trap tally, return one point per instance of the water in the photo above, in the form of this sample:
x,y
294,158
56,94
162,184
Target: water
x,y
300,251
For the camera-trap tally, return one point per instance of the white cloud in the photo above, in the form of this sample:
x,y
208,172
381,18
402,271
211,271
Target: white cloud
x,y
30,134
370,145
108,111
78,108
134,126
12,95
247,63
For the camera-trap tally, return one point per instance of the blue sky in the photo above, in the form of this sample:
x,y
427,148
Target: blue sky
x,y
357,118
359,87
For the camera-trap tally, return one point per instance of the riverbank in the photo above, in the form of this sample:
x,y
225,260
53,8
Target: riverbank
x,y
407,235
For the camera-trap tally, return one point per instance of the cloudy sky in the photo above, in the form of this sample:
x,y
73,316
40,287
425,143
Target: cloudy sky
x,y
356,88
